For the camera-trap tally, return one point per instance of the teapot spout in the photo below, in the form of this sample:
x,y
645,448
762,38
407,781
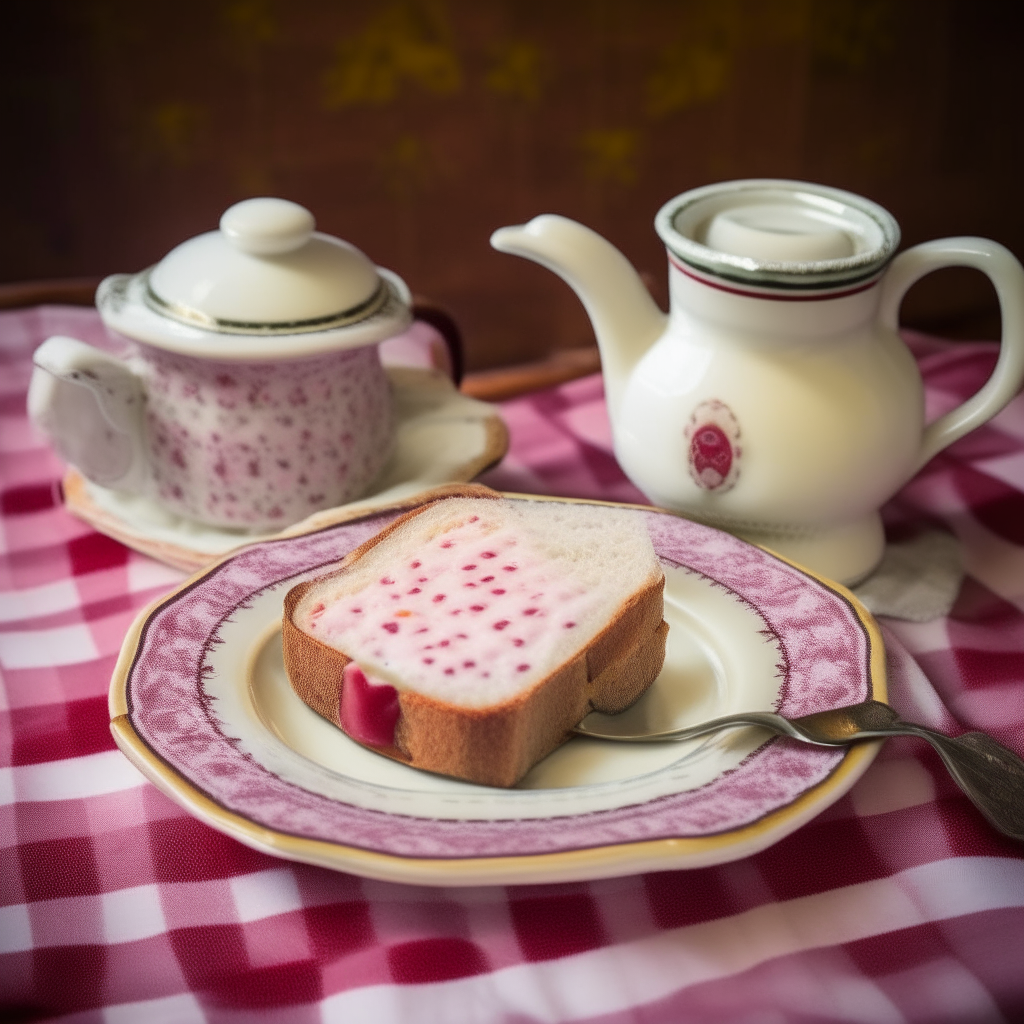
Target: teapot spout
x,y
626,320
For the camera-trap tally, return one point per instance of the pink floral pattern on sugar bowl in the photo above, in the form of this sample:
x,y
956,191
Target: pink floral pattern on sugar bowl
x,y
259,445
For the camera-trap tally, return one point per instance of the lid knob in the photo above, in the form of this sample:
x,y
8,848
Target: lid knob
x,y
267,227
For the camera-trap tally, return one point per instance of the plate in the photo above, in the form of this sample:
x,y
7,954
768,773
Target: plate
x,y
441,436
201,704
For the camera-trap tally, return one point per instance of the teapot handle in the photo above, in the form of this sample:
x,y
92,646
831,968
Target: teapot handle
x,y
90,404
1005,272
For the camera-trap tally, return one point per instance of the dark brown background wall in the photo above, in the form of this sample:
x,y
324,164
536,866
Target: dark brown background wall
x,y
414,128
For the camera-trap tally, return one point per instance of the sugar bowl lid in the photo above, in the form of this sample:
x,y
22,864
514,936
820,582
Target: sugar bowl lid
x,y
266,284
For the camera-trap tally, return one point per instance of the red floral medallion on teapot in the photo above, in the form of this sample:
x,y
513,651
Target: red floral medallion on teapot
x,y
714,449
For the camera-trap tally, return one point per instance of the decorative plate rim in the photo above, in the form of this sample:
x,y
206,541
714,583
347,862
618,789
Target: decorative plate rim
x,y
602,860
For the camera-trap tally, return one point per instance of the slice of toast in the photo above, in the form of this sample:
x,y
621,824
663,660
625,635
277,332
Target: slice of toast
x,y
473,633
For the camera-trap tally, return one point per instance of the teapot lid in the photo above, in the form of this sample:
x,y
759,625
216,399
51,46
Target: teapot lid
x,y
779,235
265,274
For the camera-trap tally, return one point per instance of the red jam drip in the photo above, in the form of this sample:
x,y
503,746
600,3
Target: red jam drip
x,y
368,711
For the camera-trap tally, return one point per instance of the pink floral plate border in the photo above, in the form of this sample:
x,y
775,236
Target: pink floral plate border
x,y
828,659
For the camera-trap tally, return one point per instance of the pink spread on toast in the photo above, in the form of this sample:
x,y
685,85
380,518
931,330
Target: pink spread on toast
x,y
463,618
368,710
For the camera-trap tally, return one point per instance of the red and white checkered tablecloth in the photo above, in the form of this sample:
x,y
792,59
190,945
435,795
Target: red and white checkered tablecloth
x,y
897,904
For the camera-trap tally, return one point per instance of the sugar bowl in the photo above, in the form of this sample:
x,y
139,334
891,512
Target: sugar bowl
x,y
250,391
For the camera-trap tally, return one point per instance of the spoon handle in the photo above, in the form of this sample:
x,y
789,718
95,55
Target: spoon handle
x,y
763,719
989,774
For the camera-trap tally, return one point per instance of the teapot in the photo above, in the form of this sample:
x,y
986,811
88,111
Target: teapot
x,y
776,399
251,391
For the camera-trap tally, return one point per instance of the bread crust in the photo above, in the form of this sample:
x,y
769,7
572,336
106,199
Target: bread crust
x,y
494,745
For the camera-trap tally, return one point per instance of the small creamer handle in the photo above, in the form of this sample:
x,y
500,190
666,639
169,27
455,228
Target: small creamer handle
x,y
90,405
1005,272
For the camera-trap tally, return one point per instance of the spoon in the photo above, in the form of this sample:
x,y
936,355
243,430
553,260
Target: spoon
x,y
989,774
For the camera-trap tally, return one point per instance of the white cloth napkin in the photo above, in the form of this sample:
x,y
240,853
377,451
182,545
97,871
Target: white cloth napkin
x,y
917,579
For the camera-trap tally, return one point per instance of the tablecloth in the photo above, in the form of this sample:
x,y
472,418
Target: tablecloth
x,y
896,904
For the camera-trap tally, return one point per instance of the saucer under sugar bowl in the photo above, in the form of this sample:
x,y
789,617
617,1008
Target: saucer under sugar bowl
x,y
251,392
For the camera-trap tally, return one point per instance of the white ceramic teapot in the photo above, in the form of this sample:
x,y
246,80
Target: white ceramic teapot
x,y
776,399
252,393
